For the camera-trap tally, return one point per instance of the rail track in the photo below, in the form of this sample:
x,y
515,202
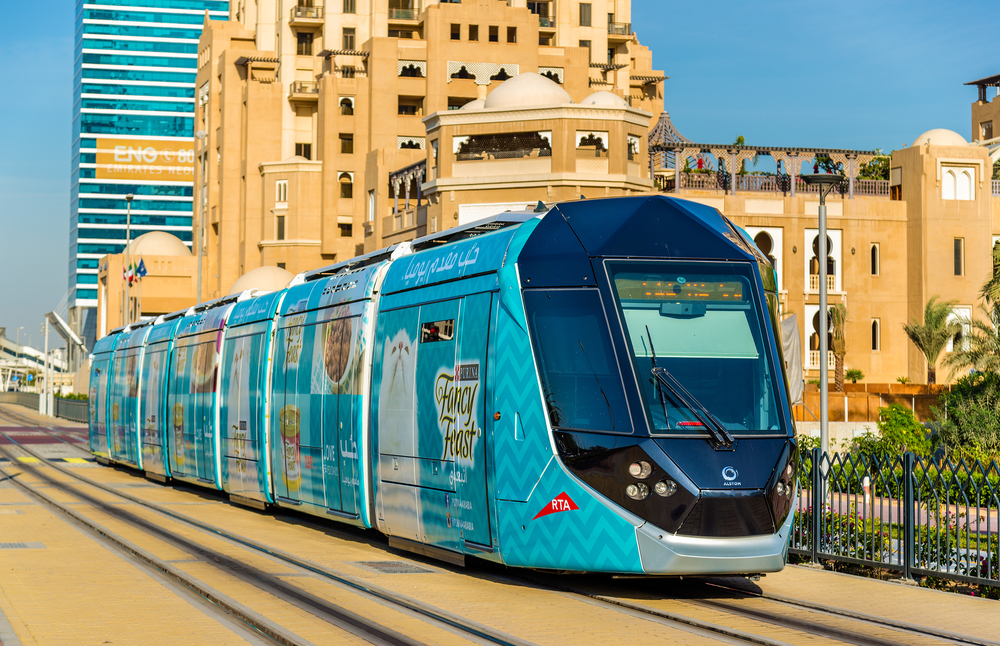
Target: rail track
x,y
721,597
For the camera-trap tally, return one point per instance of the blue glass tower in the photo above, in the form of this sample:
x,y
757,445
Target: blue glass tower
x,y
133,113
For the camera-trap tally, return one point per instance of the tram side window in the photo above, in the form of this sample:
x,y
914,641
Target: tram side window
x,y
580,375
437,331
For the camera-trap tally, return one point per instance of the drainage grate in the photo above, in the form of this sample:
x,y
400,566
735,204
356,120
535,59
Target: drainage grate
x,y
393,567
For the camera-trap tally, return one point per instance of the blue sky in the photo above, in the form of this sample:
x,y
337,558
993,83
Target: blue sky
x,y
782,73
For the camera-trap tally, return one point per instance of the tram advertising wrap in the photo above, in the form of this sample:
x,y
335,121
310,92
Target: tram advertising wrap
x,y
594,387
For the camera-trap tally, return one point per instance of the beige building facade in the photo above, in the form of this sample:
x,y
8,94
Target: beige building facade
x,y
892,244
306,115
327,132
169,284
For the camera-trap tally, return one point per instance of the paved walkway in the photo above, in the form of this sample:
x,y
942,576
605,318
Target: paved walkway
x,y
58,585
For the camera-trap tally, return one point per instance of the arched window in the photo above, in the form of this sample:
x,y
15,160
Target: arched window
x,y
948,185
814,337
502,75
411,71
963,187
346,106
831,264
876,336
765,243
462,73
875,260
346,185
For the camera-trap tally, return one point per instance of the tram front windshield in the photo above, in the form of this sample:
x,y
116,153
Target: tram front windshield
x,y
700,323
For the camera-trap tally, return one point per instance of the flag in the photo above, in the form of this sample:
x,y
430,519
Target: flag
x,y
124,273
131,273
141,270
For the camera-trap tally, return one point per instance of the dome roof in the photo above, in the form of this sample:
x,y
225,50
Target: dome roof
x,y
477,104
295,158
527,89
605,99
266,279
940,137
157,243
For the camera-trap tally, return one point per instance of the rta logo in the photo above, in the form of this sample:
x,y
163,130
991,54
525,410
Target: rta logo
x,y
730,474
562,502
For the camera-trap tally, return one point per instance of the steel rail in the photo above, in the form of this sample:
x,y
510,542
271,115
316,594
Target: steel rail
x,y
800,625
902,626
223,604
429,612
332,613
838,634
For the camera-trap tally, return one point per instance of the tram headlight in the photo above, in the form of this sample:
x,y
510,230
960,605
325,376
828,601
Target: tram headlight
x,y
780,489
637,491
640,470
665,488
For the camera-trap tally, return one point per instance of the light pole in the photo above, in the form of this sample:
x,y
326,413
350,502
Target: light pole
x,y
128,240
45,403
826,183
199,248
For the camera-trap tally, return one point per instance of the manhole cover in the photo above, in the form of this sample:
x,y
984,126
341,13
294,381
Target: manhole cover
x,y
393,567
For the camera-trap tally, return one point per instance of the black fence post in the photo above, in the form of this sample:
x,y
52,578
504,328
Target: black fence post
x,y
817,501
908,516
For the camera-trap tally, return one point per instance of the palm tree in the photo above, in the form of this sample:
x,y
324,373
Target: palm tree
x,y
991,288
980,349
931,337
838,317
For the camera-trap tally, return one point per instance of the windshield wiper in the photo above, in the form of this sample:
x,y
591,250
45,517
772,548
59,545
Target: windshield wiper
x,y
599,386
720,437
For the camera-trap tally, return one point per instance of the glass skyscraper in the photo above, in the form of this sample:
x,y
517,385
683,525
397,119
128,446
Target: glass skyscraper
x,y
133,132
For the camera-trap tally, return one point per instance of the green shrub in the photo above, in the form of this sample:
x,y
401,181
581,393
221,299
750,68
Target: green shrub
x,y
971,414
80,397
899,431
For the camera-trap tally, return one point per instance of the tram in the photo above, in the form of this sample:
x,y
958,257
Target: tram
x,y
594,387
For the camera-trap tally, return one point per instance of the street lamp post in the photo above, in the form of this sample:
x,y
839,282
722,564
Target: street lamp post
x,y
128,240
826,183
200,246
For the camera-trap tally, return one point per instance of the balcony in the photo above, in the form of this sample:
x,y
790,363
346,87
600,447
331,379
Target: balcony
x,y
831,282
619,31
546,23
308,17
771,184
306,91
407,15
831,360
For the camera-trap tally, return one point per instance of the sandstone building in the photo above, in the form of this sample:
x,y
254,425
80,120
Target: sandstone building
x,y
312,121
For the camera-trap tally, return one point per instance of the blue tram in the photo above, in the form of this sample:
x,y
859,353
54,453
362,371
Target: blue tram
x,y
598,387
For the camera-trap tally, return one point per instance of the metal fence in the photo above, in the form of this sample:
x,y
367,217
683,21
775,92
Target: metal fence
x,y
996,187
71,409
919,517
28,400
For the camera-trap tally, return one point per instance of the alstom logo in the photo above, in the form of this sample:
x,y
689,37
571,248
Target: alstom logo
x,y
562,502
729,474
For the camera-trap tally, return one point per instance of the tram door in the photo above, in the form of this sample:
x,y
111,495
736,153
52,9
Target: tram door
x,y
469,446
99,381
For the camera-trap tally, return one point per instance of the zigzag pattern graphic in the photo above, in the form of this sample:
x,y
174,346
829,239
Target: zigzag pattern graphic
x,y
591,538
519,463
